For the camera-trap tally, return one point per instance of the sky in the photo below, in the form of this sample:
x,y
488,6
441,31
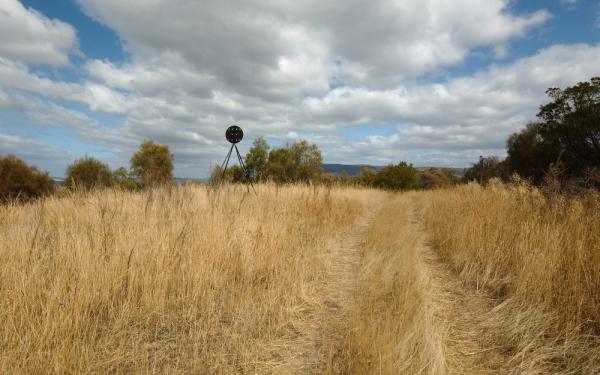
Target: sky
x,y
431,82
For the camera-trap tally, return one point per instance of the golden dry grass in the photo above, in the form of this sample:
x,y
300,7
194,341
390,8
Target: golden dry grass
x,y
392,327
537,262
298,279
182,281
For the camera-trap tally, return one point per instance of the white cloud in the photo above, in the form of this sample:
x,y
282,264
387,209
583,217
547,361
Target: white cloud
x,y
277,48
30,37
312,69
30,150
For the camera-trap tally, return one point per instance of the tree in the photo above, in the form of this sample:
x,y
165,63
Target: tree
x,y
571,126
485,169
123,179
299,162
235,174
402,176
279,166
367,176
566,138
307,161
528,154
88,173
257,159
435,177
21,181
153,164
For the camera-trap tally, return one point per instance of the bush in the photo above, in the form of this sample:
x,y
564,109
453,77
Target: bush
x,y
123,179
88,173
402,176
485,169
257,158
21,181
435,178
153,164
301,162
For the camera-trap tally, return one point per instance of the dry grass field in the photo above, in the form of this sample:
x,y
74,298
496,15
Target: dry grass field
x,y
301,280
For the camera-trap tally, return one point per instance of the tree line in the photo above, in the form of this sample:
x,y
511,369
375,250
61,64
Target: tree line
x,y
151,165
302,162
562,146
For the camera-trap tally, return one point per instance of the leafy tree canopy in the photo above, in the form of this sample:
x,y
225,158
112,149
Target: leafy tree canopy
x,y
88,173
153,164
402,176
22,181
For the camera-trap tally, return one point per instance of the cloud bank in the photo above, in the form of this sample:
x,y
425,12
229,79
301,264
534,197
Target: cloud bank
x,y
365,81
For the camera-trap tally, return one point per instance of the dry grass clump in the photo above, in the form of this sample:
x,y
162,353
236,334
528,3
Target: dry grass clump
x,y
538,257
187,280
392,327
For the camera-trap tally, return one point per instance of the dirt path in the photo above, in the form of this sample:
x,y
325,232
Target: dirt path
x,y
338,293
470,346
321,323
435,309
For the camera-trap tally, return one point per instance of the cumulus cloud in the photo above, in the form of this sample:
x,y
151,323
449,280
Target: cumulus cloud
x,y
30,37
311,69
270,49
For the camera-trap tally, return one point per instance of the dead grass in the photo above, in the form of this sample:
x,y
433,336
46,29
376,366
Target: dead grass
x,y
301,279
187,280
538,259
392,327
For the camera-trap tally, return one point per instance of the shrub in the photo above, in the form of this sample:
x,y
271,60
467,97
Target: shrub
x,y
300,162
402,176
485,169
434,178
257,158
123,179
153,164
21,181
88,173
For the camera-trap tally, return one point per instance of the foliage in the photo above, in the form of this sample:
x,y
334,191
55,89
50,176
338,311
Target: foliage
x,y
123,179
436,177
329,179
485,169
21,181
367,177
153,164
402,176
257,158
301,162
567,134
235,174
87,174
528,155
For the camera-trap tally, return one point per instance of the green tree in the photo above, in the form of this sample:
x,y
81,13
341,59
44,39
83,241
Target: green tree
x,y
528,154
124,180
153,164
88,173
234,174
485,169
307,161
571,126
22,181
402,176
567,136
299,162
280,165
257,159
367,176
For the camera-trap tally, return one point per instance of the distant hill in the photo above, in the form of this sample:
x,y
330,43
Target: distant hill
x,y
351,169
354,169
